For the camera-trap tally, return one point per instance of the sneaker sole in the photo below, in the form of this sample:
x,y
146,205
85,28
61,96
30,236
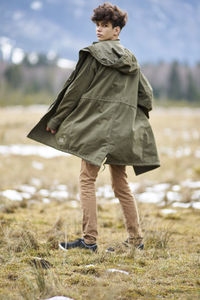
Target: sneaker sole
x,y
62,248
66,249
113,250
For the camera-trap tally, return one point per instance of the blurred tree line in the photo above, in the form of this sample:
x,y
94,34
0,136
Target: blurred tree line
x,y
39,83
27,83
174,81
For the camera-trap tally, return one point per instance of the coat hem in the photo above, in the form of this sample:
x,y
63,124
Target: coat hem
x,y
67,151
81,156
133,164
139,168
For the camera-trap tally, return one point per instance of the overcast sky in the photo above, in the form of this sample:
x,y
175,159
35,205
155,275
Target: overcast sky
x,y
156,30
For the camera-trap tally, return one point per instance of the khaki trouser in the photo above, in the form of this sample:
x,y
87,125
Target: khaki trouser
x,y
122,191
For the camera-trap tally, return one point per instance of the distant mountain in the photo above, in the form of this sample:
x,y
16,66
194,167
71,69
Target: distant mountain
x,y
157,30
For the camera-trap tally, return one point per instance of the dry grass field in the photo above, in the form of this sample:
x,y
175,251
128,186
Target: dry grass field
x,y
39,206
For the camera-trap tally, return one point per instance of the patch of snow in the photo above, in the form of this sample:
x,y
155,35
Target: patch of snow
x,y
195,134
59,298
196,195
46,200
44,192
167,150
173,196
150,197
168,211
37,165
43,151
61,187
88,266
36,181
181,204
197,153
59,194
26,195
191,184
105,191
161,204
12,195
119,271
183,151
74,203
27,188
180,152
134,186
186,135
176,188
114,200
161,187
196,205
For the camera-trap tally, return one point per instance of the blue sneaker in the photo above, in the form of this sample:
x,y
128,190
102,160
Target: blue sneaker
x,y
126,243
79,243
139,246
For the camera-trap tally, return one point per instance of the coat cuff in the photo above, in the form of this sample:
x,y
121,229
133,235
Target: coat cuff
x,y
52,124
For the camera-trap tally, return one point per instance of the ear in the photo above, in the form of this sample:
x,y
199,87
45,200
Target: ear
x,y
117,30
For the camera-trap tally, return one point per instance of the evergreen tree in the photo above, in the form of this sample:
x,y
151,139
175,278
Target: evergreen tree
x,y
191,92
13,75
174,87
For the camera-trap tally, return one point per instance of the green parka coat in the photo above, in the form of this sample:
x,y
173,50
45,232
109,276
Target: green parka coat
x,y
103,110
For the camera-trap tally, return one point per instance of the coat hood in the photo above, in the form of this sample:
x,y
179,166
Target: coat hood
x,y
112,54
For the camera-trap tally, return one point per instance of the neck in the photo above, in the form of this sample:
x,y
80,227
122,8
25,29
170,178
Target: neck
x,y
115,38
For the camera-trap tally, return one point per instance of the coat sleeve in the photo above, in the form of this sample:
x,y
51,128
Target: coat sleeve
x,y
74,92
145,94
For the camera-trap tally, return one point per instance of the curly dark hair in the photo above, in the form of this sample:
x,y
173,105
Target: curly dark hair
x,y
110,13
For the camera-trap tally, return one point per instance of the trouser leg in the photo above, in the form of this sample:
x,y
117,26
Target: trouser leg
x,y
88,175
128,203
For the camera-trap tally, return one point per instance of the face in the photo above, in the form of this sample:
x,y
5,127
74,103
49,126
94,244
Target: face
x,y
105,31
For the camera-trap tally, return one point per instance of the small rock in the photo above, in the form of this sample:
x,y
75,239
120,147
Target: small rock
x,y
40,263
12,277
88,266
59,298
120,271
168,211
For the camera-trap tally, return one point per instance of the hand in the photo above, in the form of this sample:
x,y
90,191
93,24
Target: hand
x,y
51,130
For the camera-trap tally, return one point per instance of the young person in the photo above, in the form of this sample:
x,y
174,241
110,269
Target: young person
x,y
101,115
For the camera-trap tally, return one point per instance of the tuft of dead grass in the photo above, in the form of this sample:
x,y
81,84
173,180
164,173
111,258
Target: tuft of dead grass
x,y
168,268
158,239
20,239
158,270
